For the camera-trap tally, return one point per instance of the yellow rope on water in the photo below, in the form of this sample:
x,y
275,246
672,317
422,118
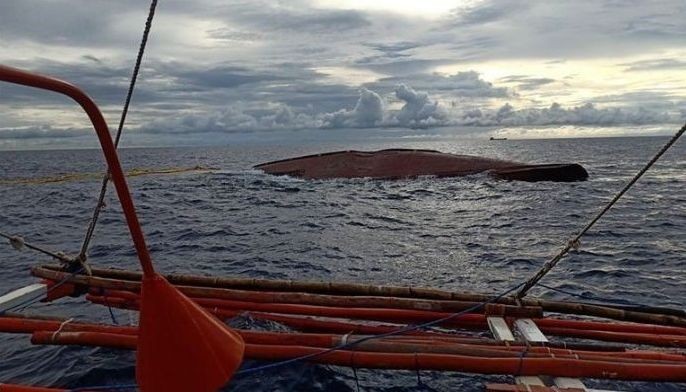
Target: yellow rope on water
x,y
74,177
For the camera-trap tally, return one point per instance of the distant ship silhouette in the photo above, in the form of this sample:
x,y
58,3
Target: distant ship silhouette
x,y
497,138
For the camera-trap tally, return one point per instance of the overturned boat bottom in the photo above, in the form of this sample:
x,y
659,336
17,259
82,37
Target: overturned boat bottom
x,y
395,164
365,326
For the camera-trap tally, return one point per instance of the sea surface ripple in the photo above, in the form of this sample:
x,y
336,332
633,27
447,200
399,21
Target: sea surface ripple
x,y
471,233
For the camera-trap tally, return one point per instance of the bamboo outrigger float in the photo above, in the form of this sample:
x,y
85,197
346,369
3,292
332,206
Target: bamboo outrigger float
x,y
183,343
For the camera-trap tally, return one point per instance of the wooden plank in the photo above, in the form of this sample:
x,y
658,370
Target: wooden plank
x,y
22,295
566,382
530,331
500,329
529,380
527,388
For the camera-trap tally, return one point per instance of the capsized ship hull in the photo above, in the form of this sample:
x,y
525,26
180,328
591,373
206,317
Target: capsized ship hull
x,y
405,163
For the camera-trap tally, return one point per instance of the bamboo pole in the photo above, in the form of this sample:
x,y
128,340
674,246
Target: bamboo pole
x,y
129,281
524,366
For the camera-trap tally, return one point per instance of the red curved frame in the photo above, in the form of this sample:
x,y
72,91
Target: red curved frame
x,y
17,76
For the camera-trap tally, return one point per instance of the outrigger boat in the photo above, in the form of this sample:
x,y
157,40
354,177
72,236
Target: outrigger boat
x,y
183,344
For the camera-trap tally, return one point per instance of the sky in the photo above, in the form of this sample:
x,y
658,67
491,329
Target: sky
x,y
254,66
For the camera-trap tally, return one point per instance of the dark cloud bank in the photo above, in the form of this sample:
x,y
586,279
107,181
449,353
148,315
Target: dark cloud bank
x,y
265,69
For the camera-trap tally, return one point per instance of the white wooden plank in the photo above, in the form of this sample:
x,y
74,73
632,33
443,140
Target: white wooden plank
x,y
19,296
565,382
500,329
600,390
530,331
529,380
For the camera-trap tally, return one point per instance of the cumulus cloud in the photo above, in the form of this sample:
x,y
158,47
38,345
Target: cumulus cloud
x,y
41,132
232,119
419,111
461,84
368,112
555,114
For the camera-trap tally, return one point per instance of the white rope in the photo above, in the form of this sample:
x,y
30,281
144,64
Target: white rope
x,y
57,332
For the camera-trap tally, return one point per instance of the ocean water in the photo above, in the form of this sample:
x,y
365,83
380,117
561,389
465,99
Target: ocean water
x,y
471,233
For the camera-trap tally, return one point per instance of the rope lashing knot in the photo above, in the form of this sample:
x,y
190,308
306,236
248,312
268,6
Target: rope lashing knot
x,y
62,325
574,245
79,263
17,242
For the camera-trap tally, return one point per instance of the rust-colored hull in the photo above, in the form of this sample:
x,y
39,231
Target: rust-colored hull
x,y
402,163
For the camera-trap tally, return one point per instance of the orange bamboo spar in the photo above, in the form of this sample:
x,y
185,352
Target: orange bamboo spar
x,y
182,346
558,367
26,325
543,323
381,314
295,322
337,300
129,280
428,343
388,345
470,321
635,338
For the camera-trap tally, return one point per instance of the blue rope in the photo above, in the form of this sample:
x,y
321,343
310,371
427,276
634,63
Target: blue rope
x,y
114,319
591,296
383,335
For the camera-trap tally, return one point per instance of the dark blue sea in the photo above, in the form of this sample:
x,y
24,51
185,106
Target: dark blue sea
x,y
471,233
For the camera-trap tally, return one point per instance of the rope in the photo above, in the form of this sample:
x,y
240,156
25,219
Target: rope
x,y
103,188
575,241
19,243
589,296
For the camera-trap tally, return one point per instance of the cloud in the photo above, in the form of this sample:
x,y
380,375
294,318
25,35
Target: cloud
x,y
527,82
573,30
64,23
655,64
418,111
555,114
230,120
393,49
42,132
480,13
367,113
292,17
263,65
398,66
461,84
